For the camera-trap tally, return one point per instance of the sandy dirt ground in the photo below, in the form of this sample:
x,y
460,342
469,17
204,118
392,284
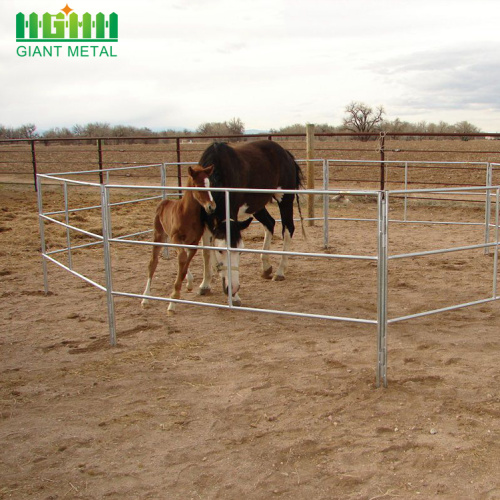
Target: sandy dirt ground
x,y
218,404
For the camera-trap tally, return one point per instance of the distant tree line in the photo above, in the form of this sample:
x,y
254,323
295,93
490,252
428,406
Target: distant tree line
x,y
92,130
359,117
95,130
394,126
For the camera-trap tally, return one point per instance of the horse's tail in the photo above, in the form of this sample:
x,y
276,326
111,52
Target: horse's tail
x,y
301,218
299,182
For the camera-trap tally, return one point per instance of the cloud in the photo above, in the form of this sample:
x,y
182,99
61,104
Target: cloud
x,y
457,78
231,47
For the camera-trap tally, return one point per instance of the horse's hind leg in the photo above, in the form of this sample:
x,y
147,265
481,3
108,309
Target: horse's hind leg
x,y
159,237
280,272
265,218
286,210
184,259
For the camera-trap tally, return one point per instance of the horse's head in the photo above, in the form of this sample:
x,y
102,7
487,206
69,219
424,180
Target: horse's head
x,y
199,177
229,265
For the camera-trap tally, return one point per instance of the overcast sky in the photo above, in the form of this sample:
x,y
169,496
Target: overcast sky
x,y
271,63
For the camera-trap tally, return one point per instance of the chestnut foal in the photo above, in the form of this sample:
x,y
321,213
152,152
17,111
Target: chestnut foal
x,y
180,220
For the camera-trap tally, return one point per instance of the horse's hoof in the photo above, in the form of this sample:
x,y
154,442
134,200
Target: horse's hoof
x,y
204,291
278,277
189,289
237,303
267,274
145,304
170,312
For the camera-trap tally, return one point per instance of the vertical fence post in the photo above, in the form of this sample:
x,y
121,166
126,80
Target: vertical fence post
x,y
163,181
33,161
43,244
406,195
310,171
382,160
66,218
326,202
106,233
99,154
228,249
487,207
495,255
178,150
163,174
382,295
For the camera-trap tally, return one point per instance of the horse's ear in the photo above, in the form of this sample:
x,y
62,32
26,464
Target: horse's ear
x,y
244,224
208,170
191,172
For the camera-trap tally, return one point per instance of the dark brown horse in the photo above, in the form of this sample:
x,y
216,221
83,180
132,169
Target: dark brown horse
x,y
181,221
253,165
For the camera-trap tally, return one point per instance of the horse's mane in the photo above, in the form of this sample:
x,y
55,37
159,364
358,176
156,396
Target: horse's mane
x,y
225,162
226,165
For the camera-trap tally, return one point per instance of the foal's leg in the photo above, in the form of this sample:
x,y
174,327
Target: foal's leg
x,y
265,218
159,237
286,211
184,259
189,285
207,264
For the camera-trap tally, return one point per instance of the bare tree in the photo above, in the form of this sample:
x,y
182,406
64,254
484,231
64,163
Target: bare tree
x,y
465,127
362,118
26,131
234,127
57,133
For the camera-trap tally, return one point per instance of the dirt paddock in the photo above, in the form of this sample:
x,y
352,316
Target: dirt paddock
x,y
216,404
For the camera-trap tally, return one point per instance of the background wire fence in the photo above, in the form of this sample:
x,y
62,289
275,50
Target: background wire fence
x,y
21,159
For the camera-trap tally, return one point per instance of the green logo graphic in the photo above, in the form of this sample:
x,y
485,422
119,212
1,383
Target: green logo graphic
x,y
66,27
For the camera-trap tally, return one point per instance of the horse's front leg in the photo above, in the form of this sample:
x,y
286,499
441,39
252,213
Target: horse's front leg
x,y
264,217
183,259
208,259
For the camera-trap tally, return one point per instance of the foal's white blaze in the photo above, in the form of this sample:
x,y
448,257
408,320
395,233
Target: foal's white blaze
x,y
207,184
209,205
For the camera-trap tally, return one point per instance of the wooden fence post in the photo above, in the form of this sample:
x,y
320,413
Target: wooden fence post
x,y
310,171
179,172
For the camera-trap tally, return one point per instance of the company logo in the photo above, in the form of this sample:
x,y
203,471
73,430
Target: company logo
x,y
66,26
